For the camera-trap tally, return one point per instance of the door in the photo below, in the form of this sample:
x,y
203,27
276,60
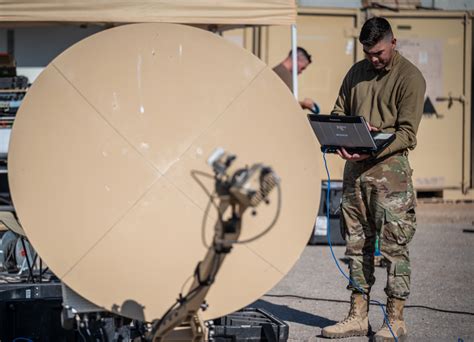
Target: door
x,y
436,45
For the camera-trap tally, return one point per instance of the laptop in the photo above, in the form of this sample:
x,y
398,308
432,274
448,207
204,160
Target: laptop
x,y
350,132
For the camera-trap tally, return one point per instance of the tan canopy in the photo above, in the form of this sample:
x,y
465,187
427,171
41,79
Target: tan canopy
x,y
252,12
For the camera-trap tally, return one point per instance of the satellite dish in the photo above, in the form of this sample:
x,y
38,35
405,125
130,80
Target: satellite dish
x,y
101,157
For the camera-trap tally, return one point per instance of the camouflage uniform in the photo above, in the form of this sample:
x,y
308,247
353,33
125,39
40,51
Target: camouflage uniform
x,y
378,198
378,193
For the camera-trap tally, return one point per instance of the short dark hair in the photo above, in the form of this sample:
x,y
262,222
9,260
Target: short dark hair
x,y
374,30
300,50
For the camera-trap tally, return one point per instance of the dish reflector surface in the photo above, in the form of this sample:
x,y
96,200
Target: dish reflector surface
x,y
101,157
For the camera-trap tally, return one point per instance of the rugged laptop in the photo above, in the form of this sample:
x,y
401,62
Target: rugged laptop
x,y
350,132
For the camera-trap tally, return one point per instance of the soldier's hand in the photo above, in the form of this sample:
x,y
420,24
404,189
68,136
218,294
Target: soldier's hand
x,y
355,157
372,128
351,157
307,104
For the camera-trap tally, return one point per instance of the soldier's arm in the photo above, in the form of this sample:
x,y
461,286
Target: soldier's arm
x,y
410,111
341,107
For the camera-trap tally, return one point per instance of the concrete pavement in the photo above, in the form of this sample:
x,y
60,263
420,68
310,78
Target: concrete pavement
x,y
313,294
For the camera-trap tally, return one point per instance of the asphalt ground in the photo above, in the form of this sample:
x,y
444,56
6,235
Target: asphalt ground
x,y
441,305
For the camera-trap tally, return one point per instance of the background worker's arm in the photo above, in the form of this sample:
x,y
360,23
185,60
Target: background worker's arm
x,y
410,111
310,104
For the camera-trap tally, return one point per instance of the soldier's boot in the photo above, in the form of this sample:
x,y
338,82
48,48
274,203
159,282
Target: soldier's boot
x,y
395,318
355,324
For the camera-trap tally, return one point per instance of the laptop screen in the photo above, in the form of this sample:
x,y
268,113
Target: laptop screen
x,y
341,131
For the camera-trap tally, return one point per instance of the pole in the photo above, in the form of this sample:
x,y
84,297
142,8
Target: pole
x,y
295,60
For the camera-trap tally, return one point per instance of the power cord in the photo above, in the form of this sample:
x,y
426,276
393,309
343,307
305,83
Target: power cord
x,y
351,281
183,299
270,226
413,306
217,259
210,195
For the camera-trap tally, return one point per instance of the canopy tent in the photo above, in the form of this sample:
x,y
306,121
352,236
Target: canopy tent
x,y
267,12
221,12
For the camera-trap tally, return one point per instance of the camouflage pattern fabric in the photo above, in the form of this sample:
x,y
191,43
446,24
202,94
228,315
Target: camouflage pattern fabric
x,y
378,200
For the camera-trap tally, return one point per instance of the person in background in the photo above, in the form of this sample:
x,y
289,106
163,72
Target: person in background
x,y
378,199
285,71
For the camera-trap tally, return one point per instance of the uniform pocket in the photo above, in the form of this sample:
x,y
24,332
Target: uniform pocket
x,y
402,268
399,227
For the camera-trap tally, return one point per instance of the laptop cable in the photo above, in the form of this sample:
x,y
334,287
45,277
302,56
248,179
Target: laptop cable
x,y
351,281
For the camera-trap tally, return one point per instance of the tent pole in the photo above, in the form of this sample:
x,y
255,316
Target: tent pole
x,y
295,61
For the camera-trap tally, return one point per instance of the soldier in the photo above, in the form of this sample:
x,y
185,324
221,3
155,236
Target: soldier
x,y
378,197
285,69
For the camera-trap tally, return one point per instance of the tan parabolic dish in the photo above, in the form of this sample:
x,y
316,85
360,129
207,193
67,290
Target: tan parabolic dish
x,y
101,157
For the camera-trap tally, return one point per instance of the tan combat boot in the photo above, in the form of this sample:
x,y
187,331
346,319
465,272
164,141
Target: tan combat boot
x,y
356,322
395,318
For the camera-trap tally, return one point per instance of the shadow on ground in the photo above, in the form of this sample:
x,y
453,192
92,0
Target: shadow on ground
x,y
286,313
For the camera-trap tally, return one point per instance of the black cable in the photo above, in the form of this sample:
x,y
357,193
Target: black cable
x,y
30,269
178,303
184,284
44,272
212,276
181,300
194,174
4,201
210,279
203,187
103,334
456,312
34,259
11,253
414,306
81,334
272,224
217,259
33,265
171,308
204,221
40,270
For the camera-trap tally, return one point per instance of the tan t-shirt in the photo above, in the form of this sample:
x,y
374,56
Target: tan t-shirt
x,y
285,75
390,99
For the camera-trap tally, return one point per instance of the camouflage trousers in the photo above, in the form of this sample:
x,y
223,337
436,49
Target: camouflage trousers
x,y
378,200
